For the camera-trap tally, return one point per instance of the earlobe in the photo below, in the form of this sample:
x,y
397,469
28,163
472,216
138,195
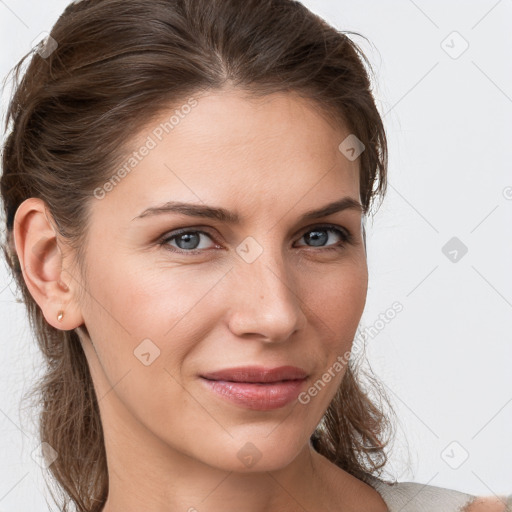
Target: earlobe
x,y
41,261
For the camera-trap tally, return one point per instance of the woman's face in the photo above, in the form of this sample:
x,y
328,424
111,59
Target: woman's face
x,y
164,309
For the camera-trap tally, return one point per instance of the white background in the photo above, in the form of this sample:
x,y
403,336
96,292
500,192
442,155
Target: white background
x,y
445,360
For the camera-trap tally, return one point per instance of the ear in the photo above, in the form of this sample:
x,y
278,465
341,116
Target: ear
x,y
42,263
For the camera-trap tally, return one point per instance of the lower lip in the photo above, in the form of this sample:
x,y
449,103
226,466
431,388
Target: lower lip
x,y
259,397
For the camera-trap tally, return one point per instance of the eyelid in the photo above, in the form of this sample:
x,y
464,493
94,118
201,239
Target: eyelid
x,y
322,225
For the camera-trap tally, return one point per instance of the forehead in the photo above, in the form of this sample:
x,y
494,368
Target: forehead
x,y
227,146
233,118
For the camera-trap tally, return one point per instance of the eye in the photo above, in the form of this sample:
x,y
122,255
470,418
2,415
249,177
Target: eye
x,y
320,235
186,240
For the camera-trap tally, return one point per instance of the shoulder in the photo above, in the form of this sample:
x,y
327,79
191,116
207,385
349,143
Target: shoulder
x,y
417,497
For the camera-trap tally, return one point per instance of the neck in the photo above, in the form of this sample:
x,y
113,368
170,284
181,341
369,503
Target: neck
x,y
143,475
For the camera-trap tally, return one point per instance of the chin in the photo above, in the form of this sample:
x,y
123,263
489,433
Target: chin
x,y
259,452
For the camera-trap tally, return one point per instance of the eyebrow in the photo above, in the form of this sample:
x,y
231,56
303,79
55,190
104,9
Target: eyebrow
x,y
223,215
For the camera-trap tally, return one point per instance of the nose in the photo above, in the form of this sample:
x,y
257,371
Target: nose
x,y
264,300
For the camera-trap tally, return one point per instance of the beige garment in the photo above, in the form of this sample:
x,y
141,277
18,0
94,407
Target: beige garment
x,y
416,497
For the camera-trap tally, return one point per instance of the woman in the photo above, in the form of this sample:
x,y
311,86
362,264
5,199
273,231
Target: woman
x,y
185,186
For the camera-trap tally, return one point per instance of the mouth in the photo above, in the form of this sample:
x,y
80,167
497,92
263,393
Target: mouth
x,y
257,388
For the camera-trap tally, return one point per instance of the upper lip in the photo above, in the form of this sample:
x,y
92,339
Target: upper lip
x,y
257,374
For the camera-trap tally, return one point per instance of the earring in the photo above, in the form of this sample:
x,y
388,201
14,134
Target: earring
x,y
60,315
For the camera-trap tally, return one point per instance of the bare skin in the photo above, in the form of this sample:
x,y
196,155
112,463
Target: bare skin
x,y
171,443
487,504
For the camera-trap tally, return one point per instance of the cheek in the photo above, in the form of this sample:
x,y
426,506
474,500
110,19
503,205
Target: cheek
x,y
339,298
161,316
143,324
337,306
152,301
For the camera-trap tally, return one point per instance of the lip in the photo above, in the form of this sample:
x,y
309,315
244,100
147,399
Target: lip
x,y
257,374
257,388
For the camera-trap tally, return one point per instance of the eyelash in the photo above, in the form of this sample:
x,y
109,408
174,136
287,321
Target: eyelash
x,y
345,235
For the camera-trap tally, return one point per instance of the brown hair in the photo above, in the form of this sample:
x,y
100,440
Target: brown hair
x,y
116,65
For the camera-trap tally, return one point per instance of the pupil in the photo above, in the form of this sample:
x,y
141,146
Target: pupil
x,y
188,238
317,236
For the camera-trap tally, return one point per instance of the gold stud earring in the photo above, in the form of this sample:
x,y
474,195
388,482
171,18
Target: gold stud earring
x,y
60,315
